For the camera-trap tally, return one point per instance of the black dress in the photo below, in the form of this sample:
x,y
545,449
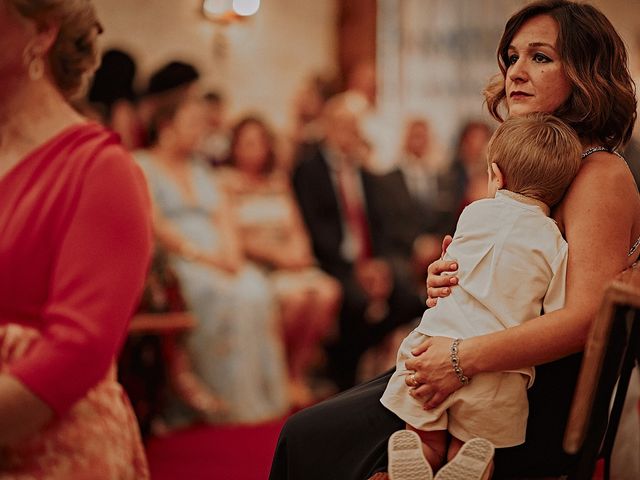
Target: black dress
x,y
345,438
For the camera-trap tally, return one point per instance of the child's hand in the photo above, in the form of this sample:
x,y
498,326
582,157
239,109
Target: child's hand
x,y
15,341
439,283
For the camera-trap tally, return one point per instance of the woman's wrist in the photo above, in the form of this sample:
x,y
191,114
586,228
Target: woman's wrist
x,y
469,357
455,362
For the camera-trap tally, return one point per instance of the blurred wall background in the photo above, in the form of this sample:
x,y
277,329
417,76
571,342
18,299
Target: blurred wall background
x,y
432,56
256,63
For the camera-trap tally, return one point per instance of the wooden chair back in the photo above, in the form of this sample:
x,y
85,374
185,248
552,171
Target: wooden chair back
x,y
612,350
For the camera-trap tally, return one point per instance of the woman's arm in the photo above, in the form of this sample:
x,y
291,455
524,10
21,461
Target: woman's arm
x,y
225,258
292,249
230,251
300,242
96,281
598,212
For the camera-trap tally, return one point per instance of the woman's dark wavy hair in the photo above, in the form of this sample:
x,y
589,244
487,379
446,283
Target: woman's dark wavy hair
x,y
602,105
269,138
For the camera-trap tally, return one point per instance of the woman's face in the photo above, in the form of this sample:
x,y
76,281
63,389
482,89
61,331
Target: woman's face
x,y
535,80
189,125
418,138
251,149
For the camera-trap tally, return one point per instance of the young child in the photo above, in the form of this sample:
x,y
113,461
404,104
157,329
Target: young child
x,y
512,265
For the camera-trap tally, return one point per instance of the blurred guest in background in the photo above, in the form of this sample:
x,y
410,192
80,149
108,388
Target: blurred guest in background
x,y
423,199
215,144
341,205
307,109
167,85
466,180
75,245
274,236
378,130
632,156
236,346
112,94
306,118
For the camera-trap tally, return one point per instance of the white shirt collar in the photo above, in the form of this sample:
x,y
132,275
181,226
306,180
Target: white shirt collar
x,y
523,199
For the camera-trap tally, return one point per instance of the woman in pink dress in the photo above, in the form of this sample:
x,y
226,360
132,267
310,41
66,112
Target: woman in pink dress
x,y
74,248
275,238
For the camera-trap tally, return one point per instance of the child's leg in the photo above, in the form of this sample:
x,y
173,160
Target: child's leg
x,y
454,446
434,446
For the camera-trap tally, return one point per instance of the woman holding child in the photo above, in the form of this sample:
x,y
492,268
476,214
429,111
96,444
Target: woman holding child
x,y
557,57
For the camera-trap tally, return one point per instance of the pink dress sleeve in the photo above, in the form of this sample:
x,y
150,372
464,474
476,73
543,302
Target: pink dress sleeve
x,y
97,277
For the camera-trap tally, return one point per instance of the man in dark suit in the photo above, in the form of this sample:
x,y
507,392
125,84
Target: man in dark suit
x,y
341,205
426,199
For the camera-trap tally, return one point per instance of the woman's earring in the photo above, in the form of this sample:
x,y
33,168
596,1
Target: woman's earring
x,y
34,62
36,68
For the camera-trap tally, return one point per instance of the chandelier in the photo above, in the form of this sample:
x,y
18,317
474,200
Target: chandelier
x,y
227,11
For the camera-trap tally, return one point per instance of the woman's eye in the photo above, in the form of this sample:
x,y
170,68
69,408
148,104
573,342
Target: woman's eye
x,y
511,59
540,58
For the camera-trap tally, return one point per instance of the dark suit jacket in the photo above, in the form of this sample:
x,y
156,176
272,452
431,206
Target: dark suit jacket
x,y
392,223
320,209
399,215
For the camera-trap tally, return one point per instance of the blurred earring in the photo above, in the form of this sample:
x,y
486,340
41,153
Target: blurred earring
x,y
36,68
34,63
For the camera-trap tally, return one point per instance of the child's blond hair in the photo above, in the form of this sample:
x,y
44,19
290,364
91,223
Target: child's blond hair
x,y
538,155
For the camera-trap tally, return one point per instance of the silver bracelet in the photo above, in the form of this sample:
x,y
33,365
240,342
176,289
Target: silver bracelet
x,y
455,361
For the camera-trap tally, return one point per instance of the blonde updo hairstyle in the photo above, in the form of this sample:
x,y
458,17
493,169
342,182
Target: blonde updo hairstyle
x,y
74,55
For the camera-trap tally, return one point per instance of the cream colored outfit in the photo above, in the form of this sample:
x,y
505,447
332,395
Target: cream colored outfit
x,y
512,265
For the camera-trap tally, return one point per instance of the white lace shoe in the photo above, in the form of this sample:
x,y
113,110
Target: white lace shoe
x,y
406,460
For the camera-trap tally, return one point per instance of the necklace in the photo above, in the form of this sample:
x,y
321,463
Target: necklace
x,y
599,148
594,150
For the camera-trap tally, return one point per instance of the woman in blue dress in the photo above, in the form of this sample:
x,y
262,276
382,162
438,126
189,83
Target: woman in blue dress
x,y
236,346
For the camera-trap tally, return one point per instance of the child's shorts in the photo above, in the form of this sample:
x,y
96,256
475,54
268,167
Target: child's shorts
x,y
492,406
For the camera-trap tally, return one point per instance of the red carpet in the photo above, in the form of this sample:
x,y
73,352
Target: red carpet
x,y
221,453
214,453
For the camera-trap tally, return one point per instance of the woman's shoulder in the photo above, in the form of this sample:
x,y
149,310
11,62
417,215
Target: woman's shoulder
x,y
604,178
115,161
603,173
81,144
604,161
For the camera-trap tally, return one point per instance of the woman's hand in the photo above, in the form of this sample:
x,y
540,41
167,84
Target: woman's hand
x,y
15,341
439,285
434,375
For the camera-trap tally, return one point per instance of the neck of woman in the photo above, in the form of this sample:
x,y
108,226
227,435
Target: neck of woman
x,y
32,114
169,153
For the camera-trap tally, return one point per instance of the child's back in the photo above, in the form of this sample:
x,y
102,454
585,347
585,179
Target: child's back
x,y
512,265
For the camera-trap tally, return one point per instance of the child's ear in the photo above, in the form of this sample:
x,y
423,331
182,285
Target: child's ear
x,y
497,174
